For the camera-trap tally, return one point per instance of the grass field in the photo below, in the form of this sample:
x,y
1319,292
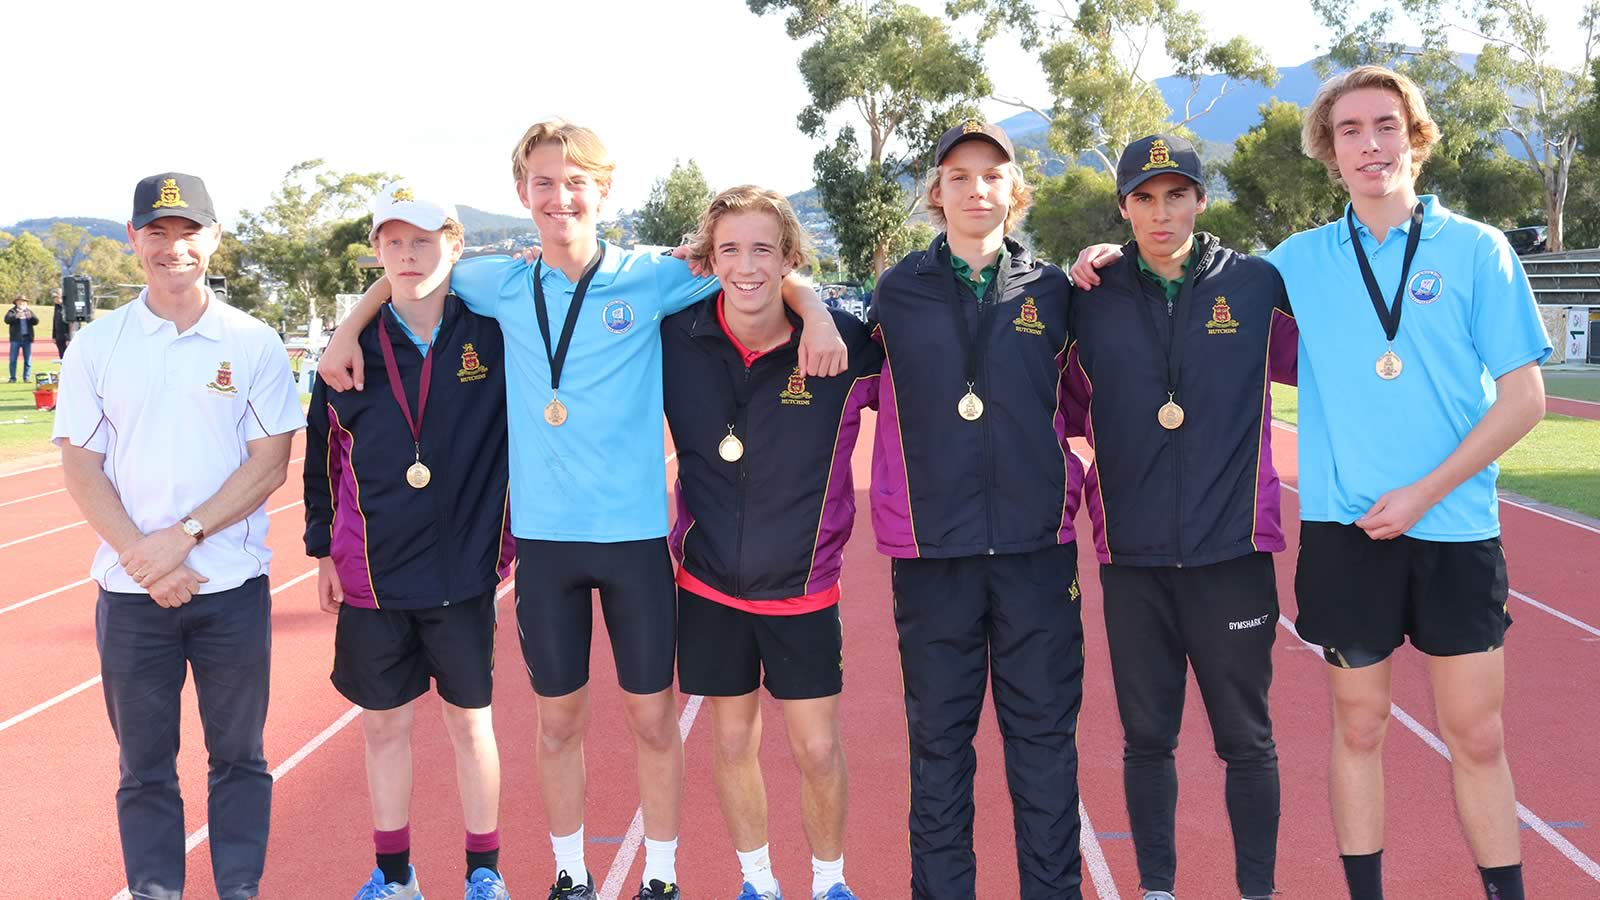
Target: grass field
x,y
1556,463
1573,385
24,431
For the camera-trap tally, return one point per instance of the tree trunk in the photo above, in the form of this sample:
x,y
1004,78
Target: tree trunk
x,y
880,260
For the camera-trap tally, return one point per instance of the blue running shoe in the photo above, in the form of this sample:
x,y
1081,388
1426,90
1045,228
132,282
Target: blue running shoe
x,y
747,891
378,889
840,891
486,884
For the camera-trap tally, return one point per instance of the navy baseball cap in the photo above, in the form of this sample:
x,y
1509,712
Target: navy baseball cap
x,y
1157,154
971,130
172,194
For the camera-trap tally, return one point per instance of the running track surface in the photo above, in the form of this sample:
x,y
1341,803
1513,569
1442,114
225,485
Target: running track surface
x,y
58,760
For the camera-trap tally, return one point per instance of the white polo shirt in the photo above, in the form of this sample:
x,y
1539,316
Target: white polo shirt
x,y
172,412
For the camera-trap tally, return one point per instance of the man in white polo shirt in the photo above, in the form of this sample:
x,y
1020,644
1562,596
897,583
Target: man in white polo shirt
x,y
174,422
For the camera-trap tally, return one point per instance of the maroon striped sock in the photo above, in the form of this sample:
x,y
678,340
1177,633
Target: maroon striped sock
x,y
483,852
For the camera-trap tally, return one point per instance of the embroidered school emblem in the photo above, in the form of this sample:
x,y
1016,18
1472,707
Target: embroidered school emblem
x,y
1160,156
403,195
1426,286
1222,320
224,382
169,198
971,126
795,393
1073,593
1027,320
472,368
617,316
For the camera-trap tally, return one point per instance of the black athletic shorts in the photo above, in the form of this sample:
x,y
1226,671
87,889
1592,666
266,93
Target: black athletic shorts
x,y
555,612
1360,598
724,652
383,658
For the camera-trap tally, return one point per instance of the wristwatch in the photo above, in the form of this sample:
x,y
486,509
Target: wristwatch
x,y
192,527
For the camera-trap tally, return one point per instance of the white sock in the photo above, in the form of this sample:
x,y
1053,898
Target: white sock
x,y
569,856
825,875
661,861
756,867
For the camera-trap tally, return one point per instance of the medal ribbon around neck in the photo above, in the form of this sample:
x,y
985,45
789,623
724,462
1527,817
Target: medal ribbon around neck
x,y
972,351
1389,316
399,390
558,356
731,448
1175,342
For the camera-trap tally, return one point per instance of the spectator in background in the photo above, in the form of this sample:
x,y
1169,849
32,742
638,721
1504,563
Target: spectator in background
x,y
61,329
22,323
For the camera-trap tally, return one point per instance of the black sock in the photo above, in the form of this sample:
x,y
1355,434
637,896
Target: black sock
x,y
483,859
396,866
1502,882
1364,875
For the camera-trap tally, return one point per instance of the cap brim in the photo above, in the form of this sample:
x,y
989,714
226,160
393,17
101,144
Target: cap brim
x,y
427,220
1142,177
974,136
145,218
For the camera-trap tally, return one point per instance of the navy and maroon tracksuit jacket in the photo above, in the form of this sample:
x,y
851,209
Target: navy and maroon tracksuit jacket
x,y
1007,483
395,546
1206,491
772,525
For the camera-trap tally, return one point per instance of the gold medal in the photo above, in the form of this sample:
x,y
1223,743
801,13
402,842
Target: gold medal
x,y
1170,415
731,449
970,407
555,412
1389,366
418,475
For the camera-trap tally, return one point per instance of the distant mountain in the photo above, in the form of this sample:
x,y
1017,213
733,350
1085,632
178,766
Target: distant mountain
x,y
487,227
117,231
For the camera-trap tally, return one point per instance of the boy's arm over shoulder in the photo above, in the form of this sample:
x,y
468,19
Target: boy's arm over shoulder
x,y
481,281
675,284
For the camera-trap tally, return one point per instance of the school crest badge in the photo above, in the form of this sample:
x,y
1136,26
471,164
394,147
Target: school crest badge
x,y
1027,320
224,382
1160,156
403,195
795,393
1222,320
971,126
472,368
617,316
169,198
1426,286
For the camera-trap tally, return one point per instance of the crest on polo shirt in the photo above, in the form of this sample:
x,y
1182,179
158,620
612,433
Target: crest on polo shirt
x,y
1426,286
224,382
472,368
617,316
1222,320
1160,156
169,198
794,392
1027,320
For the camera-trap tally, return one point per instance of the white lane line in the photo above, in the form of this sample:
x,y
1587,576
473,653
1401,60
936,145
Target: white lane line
x,y
1550,396
34,497
612,887
1536,605
1533,509
1093,858
21,717
51,593
25,715
203,833
54,465
84,522
1528,816
1515,593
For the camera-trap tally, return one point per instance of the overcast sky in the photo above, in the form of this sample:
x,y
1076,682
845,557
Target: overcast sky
x,y
101,94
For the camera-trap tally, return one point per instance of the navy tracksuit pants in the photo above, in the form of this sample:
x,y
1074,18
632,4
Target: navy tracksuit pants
x,y
145,652
1014,619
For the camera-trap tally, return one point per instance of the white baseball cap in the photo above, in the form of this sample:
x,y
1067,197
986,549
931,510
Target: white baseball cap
x,y
400,200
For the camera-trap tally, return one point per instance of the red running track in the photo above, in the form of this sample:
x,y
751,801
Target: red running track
x,y
58,765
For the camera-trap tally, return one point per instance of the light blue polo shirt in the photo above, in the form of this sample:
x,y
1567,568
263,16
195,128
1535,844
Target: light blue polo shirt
x,y
421,345
1469,318
601,476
